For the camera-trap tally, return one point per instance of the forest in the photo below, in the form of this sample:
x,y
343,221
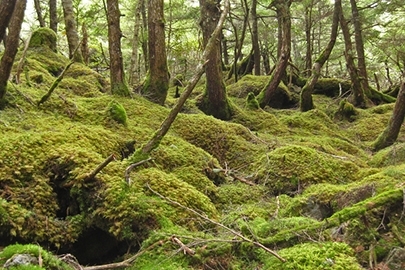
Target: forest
x,y
210,134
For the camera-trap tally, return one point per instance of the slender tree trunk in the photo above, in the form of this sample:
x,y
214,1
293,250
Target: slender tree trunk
x,y
6,10
53,15
117,77
132,76
71,30
6,62
361,59
224,49
84,47
38,10
214,101
308,35
143,34
255,38
358,99
156,84
283,11
306,102
266,59
390,134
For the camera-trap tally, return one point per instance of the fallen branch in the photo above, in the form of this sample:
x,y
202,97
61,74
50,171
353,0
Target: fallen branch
x,y
255,243
186,249
100,167
131,167
22,61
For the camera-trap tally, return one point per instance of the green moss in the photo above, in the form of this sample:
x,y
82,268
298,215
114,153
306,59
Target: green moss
x,y
43,37
346,111
117,112
327,255
247,84
49,261
251,102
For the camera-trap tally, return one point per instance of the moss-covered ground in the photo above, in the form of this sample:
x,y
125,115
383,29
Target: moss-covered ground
x,y
305,185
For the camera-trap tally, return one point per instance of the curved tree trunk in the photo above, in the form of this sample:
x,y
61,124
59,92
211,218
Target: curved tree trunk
x,y
71,31
306,102
156,85
38,10
10,51
117,77
390,134
6,10
214,101
358,99
284,18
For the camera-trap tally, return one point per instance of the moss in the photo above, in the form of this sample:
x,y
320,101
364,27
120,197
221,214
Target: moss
x,y
247,84
49,261
43,37
346,111
117,112
327,255
251,102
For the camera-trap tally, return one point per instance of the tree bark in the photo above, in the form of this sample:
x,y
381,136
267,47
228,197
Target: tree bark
x,y
255,38
71,30
38,10
7,60
358,99
133,76
390,134
214,100
284,18
308,35
117,77
53,15
156,84
306,102
84,47
361,59
6,10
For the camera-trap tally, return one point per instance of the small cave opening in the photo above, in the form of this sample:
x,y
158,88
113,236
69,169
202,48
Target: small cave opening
x,y
58,177
96,246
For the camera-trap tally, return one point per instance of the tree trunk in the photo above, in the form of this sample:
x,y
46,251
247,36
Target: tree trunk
x,y
283,13
306,102
132,76
53,15
11,49
156,84
361,59
390,134
6,10
84,46
214,101
255,39
358,98
117,77
71,30
143,34
38,10
308,35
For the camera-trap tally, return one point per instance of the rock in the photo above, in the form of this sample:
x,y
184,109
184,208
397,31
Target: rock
x,y
20,259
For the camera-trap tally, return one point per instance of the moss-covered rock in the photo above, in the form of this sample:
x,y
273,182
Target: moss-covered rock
x,y
117,112
43,37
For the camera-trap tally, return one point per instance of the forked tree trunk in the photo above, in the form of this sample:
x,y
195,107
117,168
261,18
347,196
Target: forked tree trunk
x,y
306,102
214,101
284,18
71,30
358,97
10,51
117,77
6,10
390,134
156,84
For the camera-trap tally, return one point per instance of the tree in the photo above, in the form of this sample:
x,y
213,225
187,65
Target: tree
x,y
10,51
117,77
306,93
53,15
214,100
71,30
38,9
6,10
390,134
156,84
132,78
255,38
284,20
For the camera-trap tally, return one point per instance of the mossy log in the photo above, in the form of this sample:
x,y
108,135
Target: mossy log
x,y
386,198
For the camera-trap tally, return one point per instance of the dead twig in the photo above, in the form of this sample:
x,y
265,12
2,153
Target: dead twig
x,y
131,167
183,247
100,167
255,243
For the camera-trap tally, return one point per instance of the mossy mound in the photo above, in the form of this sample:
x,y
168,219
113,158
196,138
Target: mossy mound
x,y
292,168
43,37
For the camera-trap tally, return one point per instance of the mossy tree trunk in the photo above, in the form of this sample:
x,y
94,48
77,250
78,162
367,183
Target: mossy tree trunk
x,y
390,134
12,41
6,10
71,30
358,98
306,102
117,77
214,101
156,84
284,19
53,15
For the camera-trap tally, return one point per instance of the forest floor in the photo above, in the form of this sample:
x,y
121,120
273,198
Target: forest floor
x,y
215,195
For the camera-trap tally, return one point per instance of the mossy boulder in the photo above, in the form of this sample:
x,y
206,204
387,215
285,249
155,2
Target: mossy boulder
x,y
43,37
117,112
